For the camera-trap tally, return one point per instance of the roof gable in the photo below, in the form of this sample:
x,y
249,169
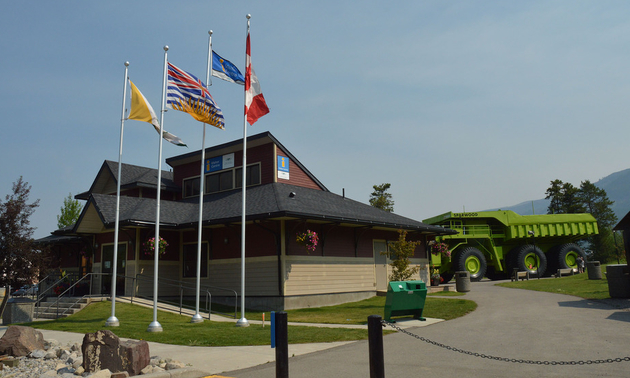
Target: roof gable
x,y
132,176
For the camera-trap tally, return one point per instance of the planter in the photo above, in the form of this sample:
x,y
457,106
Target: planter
x,y
435,282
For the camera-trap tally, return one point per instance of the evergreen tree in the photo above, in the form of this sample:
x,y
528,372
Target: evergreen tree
x,y
595,201
563,198
70,212
381,199
554,194
588,198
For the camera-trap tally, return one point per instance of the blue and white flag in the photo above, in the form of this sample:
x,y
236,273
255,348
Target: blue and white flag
x,y
188,94
225,70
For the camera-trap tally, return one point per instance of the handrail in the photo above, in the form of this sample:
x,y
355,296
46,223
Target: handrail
x,y
71,287
182,286
41,295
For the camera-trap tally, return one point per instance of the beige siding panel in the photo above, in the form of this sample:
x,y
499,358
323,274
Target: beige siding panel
x,y
261,276
91,222
312,277
165,270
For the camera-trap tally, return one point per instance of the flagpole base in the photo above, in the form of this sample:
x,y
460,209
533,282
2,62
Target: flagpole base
x,y
196,318
112,322
155,327
242,322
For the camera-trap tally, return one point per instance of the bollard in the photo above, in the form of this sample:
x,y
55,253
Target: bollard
x,y
282,346
375,337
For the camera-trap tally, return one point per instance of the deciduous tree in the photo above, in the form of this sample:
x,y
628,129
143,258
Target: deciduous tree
x,y
70,212
20,258
400,252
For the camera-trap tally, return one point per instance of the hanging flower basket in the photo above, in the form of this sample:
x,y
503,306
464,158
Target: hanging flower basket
x,y
308,239
440,249
149,246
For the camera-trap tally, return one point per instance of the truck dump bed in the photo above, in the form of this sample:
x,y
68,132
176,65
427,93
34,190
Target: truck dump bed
x,y
508,225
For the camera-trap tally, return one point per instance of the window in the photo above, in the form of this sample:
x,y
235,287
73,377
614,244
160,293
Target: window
x,y
220,181
224,180
253,175
190,260
191,187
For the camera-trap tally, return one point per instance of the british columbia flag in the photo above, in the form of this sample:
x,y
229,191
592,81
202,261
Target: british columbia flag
x,y
188,94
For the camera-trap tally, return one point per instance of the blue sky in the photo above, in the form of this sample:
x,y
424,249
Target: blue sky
x,y
475,104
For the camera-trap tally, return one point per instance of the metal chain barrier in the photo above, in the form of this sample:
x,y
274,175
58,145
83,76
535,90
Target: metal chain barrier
x,y
503,359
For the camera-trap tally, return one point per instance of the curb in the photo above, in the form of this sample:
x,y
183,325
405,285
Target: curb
x,y
178,373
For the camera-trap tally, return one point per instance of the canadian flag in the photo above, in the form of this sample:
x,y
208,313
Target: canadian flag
x,y
255,105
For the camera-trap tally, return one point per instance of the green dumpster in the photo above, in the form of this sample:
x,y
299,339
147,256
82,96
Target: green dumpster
x,y
405,298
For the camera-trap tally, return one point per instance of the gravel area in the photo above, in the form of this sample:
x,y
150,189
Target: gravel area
x,y
66,361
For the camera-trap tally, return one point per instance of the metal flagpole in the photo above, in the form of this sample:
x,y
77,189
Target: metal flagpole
x,y
197,317
112,321
242,322
155,326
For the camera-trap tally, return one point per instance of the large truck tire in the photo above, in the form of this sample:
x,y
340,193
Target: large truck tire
x,y
567,254
473,261
531,258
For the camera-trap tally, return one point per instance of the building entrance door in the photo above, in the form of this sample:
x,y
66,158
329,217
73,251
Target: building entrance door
x,y
380,264
108,258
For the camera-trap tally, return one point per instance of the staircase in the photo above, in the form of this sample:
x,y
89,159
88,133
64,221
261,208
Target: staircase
x,y
50,308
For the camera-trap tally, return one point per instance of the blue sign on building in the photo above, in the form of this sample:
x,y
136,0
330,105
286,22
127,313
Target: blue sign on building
x,y
214,164
218,163
283,167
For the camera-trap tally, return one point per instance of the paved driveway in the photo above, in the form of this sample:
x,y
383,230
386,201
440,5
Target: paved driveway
x,y
509,323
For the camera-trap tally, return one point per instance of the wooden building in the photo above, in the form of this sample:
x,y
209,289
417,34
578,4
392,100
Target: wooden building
x,y
283,200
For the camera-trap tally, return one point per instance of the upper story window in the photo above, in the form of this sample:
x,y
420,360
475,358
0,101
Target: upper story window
x,y
226,179
252,175
191,187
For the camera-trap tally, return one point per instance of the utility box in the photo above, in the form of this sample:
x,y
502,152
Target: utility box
x,y
405,298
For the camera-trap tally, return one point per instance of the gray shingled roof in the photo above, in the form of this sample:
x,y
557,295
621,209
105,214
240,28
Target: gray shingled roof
x,y
264,201
133,176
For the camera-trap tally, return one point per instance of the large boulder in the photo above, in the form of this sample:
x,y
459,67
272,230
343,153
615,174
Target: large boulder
x,y
19,341
103,350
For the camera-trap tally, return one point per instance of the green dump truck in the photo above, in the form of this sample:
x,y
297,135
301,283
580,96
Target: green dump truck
x,y
495,243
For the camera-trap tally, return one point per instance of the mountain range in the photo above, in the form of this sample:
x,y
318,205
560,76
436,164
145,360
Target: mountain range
x,y
616,185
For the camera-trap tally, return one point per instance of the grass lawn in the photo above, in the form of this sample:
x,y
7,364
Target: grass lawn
x,y
578,285
178,330
357,312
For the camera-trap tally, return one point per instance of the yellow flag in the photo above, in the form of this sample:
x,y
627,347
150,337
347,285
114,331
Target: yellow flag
x,y
141,110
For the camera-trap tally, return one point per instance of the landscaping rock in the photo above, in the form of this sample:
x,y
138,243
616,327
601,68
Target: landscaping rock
x,y
134,356
105,373
19,341
101,351
37,353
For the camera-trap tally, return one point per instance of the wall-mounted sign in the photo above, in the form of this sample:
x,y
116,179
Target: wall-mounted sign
x,y
218,163
283,167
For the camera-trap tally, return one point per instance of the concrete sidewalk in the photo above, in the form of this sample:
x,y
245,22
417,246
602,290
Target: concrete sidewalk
x,y
515,326
216,360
